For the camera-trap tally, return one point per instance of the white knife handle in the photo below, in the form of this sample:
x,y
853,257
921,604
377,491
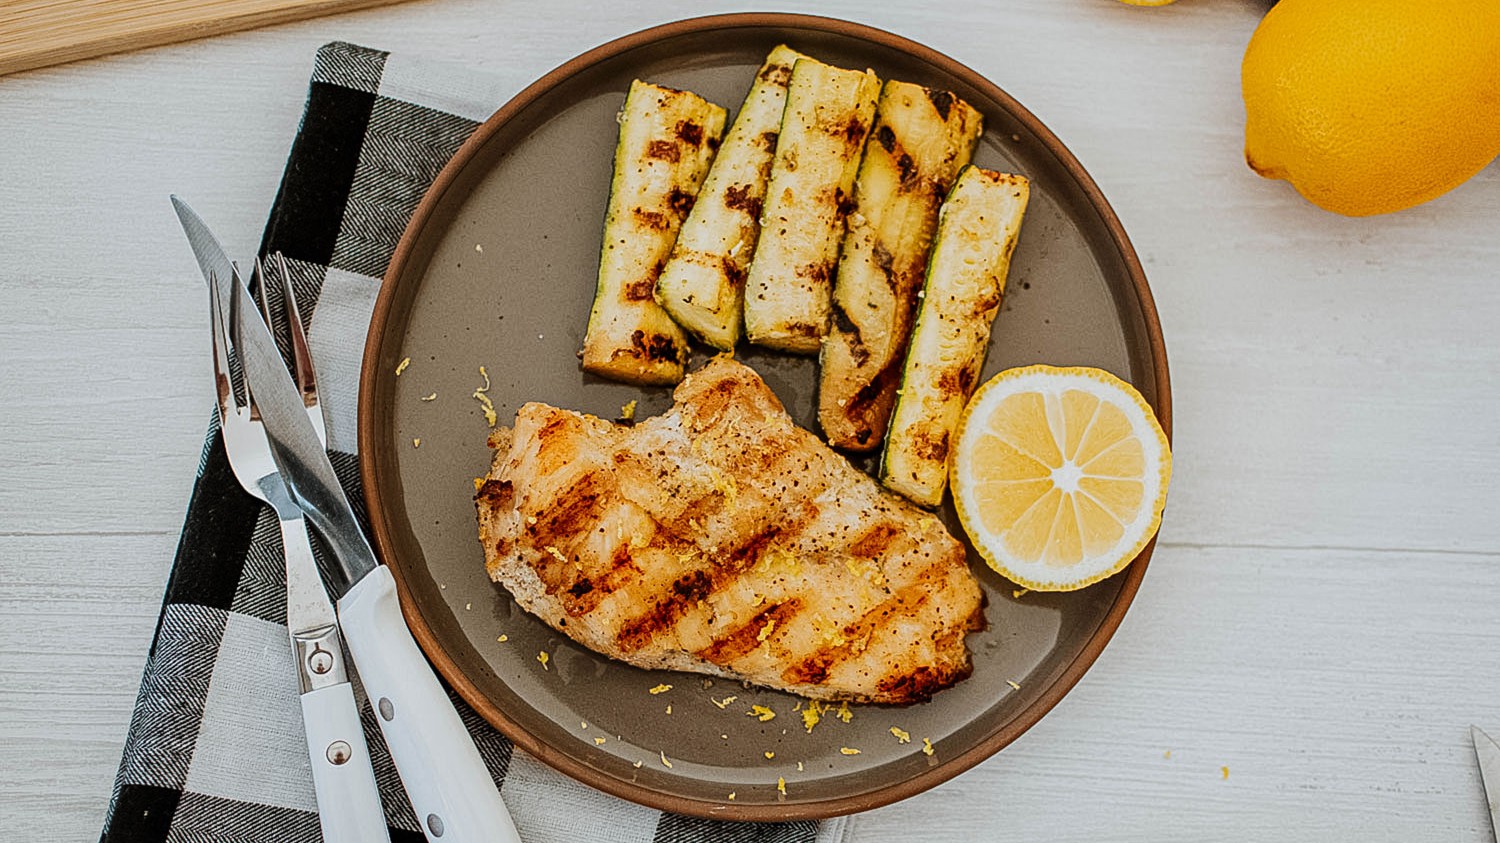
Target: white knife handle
x,y
449,786
348,799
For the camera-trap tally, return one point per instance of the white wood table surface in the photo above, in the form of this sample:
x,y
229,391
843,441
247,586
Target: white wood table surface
x,y
1321,622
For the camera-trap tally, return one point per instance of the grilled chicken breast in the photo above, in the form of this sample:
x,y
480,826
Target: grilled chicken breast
x,y
723,539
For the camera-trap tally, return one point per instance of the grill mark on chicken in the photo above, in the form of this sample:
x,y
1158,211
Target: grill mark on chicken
x,y
857,634
750,552
696,587
643,543
748,636
574,513
874,542
686,592
812,670
587,591
920,684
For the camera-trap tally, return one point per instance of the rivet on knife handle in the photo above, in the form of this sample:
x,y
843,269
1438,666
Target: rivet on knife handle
x,y
449,786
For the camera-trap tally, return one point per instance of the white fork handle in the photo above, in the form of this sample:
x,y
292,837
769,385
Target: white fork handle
x,y
348,799
449,786
349,808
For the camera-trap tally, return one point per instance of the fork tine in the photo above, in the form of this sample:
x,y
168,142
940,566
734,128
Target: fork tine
x,y
235,341
235,315
302,361
223,383
258,291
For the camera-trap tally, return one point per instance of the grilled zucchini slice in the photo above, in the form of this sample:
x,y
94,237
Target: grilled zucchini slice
x,y
667,140
921,139
788,290
977,230
703,284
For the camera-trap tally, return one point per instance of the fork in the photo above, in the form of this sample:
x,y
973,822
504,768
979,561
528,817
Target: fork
x,y
349,807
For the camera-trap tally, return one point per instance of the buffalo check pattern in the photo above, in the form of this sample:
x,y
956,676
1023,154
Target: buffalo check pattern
x,y
215,751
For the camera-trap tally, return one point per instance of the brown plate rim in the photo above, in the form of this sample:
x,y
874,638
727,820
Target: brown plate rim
x,y
382,528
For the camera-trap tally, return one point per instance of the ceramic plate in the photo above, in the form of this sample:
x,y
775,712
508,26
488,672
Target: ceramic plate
x,y
497,270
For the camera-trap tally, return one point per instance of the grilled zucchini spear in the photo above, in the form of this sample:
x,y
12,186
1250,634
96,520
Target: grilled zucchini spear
x,y
921,139
703,284
787,293
976,235
667,140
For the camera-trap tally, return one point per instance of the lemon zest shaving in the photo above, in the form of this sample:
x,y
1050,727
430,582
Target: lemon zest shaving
x,y
725,485
544,658
401,367
869,571
659,689
490,417
902,736
829,631
848,750
812,714
761,713
484,400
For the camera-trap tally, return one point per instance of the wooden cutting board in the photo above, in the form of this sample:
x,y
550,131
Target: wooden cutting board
x,y
38,33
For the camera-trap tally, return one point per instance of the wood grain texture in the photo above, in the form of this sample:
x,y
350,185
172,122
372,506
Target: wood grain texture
x,y
1336,687
1320,615
39,33
79,614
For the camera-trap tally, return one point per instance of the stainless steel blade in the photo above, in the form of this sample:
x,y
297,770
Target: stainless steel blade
x,y
1489,772
295,447
212,260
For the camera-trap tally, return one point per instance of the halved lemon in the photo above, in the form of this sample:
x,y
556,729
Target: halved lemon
x,y
1059,475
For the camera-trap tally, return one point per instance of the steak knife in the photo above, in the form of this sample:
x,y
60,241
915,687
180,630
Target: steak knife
x,y
446,781
1489,772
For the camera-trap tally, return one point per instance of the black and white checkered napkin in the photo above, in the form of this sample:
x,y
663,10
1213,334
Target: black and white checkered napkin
x,y
216,750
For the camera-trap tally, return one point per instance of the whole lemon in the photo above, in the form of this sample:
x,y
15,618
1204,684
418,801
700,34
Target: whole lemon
x,y
1371,106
